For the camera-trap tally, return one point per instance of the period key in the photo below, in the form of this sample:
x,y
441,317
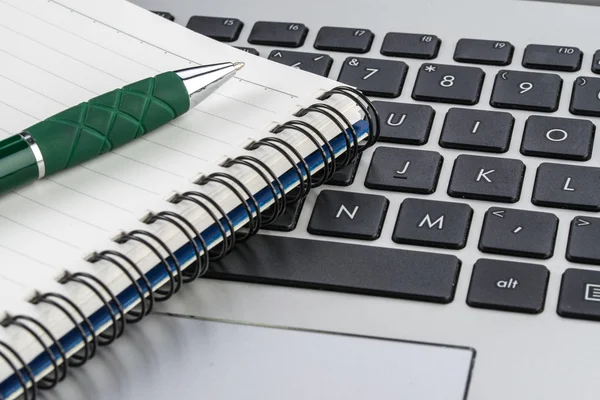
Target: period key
x,y
584,236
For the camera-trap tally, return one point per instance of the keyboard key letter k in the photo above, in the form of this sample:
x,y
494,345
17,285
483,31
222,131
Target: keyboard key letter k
x,y
483,174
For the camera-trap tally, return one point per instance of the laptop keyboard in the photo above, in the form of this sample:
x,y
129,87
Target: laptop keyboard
x,y
427,275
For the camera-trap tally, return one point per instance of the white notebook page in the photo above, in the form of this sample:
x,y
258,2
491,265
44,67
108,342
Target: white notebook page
x,y
53,57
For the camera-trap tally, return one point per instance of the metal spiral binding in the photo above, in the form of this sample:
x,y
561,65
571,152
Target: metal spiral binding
x,y
146,304
228,240
118,321
89,348
174,281
59,374
229,236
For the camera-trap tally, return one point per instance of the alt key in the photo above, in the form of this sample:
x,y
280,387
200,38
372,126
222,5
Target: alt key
x,y
508,286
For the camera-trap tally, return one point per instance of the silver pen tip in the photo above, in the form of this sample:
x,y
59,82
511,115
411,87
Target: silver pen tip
x,y
238,65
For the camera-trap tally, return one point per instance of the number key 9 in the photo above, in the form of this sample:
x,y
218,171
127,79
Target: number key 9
x,y
526,91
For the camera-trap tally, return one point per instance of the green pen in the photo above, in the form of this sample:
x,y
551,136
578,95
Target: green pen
x,y
105,122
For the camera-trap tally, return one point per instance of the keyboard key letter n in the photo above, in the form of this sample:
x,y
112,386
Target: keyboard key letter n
x,y
344,210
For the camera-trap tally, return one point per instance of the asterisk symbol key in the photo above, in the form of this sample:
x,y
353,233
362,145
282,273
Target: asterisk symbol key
x,y
430,68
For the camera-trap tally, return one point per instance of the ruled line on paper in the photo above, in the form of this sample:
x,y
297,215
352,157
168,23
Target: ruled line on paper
x,y
26,256
58,211
19,110
173,149
216,116
115,179
45,70
146,164
33,90
245,102
88,195
40,232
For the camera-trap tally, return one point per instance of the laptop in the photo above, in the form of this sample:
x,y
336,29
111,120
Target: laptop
x,y
484,188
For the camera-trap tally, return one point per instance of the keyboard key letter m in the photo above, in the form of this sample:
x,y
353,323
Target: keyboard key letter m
x,y
343,209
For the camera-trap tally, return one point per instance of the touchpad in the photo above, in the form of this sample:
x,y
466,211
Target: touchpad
x,y
177,358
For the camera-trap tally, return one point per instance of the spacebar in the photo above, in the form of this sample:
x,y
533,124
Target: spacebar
x,y
341,267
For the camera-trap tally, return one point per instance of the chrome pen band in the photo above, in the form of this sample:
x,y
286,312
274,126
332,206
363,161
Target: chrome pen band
x,y
36,153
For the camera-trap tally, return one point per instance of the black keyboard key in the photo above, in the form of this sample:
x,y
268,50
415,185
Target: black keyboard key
x,y
411,45
487,178
508,286
555,58
349,40
526,91
250,50
404,123
584,237
165,15
596,62
374,77
569,139
284,34
433,223
349,215
341,267
345,176
585,99
518,233
580,294
222,29
479,130
287,221
488,52
448,84
404,170
319,64
567,186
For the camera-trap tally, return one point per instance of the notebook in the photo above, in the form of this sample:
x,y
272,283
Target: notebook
x,y
104,242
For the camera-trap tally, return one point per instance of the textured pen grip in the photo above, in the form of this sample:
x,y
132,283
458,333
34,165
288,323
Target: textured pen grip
x,y
109,120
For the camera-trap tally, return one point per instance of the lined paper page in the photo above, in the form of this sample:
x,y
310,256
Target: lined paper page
x,y
53,57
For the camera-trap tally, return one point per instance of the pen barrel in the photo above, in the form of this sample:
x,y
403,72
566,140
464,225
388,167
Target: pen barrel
x,y
18,164
108,121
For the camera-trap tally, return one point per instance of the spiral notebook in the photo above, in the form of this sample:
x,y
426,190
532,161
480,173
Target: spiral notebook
x,y
89,251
